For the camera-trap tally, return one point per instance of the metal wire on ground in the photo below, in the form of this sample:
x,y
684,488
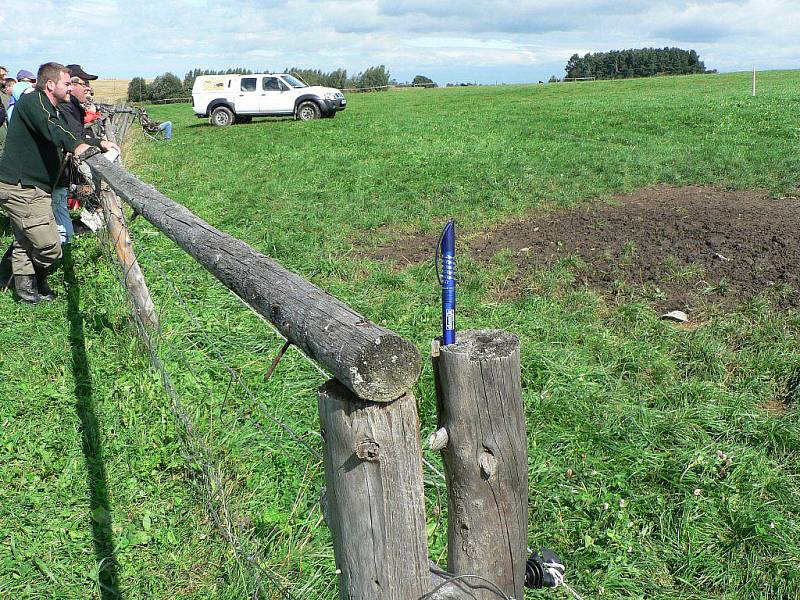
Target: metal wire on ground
x,y
451,579
203,463
234,375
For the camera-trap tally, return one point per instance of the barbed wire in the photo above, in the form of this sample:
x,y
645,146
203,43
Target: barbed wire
x,y
325,374
450,579
234,375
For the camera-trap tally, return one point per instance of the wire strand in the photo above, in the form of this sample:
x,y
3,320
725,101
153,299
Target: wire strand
x,y
198,454
451,579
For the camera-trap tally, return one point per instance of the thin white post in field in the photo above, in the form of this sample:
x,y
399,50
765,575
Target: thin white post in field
x,y
754,81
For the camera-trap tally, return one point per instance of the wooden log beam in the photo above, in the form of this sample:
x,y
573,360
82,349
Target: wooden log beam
x,y
479,401
372,361
375,495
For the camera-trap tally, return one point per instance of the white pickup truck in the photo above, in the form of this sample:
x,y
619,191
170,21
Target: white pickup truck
x,y
228,99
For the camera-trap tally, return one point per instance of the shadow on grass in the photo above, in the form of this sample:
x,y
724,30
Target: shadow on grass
x,y
99,504
205,123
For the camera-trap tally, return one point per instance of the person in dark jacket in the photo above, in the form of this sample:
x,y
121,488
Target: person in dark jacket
x,y
38,138
74,113
74,110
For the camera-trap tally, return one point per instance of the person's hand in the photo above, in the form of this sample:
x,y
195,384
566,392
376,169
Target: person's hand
x,y
84,151
105,146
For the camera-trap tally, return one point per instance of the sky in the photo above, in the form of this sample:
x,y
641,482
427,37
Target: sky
x,y
482,41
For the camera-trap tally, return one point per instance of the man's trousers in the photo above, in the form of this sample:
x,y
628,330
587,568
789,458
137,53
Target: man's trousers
x,y
36,240
61,213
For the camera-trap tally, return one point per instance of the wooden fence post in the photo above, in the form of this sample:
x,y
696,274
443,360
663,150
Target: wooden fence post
x,y
481,421
375,495
134,279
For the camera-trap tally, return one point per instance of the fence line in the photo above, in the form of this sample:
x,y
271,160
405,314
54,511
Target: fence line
x,y
171,101
188,100
370,428
378,88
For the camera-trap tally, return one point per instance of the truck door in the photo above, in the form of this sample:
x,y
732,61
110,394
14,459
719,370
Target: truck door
x,y
276,98
249,98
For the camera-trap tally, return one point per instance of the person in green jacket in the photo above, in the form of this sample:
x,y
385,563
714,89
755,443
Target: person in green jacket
x,y
37,141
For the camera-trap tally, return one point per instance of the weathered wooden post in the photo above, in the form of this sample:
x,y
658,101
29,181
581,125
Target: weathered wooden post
x,y
132,272
375,495
483,441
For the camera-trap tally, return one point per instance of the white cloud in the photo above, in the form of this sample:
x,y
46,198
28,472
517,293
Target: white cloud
x,y
524,39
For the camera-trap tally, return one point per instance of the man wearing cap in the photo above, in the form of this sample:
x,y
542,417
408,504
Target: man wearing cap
x,y
37,139
74,113
73,109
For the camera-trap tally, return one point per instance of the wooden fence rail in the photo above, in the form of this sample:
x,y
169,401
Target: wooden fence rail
x,y
375,363
375,504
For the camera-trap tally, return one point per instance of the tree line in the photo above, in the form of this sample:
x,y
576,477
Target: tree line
x,y
640,62
170,85
371,77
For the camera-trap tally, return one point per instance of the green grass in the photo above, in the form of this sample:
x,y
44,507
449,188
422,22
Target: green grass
x,y
635,409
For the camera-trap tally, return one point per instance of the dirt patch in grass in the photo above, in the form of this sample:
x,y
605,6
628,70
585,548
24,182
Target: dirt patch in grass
x,y
680,248
774,407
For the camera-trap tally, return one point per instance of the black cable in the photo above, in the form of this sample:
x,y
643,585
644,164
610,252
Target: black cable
x,y
491,586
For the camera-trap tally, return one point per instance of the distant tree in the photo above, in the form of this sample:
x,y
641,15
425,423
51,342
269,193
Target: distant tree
x,y
188,79
372,77
166,86
337,79
641,62
422,80
553,79
310,76
138,90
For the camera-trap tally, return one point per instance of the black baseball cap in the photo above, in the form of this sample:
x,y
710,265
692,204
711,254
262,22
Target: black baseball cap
x,y
77,71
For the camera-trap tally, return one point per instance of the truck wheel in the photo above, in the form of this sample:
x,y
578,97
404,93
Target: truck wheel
x,y
222,116
308,110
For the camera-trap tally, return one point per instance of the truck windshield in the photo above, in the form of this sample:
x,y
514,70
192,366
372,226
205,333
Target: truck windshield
x,y
294,81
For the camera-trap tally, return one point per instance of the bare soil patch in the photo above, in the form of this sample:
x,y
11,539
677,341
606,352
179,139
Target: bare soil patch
x,y
681,248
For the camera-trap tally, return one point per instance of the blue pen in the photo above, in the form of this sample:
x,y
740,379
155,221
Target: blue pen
x,y
447,246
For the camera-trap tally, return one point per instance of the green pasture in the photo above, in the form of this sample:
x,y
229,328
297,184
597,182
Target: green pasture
x,y
628,416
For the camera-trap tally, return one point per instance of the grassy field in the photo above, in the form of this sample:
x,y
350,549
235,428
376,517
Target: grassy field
x,y
628,416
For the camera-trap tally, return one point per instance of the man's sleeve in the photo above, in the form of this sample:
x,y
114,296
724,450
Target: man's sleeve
x,y
39,119
76,125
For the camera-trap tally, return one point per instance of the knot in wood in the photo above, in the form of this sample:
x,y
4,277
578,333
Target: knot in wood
x,y
438,439
368,450
488,464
